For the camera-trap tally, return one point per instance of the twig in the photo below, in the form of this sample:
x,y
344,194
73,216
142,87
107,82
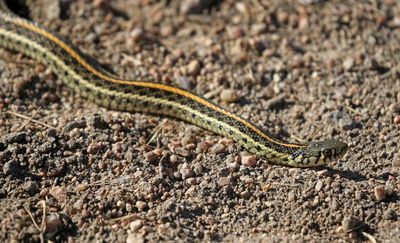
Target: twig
x,y
28,120
124,218
155,134
32,218
31,120
274,101
43,226
353,110
369,237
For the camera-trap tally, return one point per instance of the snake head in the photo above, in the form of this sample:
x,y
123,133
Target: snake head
x,y
321,152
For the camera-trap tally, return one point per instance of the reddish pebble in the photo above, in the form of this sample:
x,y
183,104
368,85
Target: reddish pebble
x,y
249,160
380,193
151,156
203,146
396,119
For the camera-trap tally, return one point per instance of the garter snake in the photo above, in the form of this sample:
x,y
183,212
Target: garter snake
x,y
91,81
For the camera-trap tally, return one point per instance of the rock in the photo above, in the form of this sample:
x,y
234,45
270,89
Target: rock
x,y
249,160
11,167
134,238
185,82
31,187
194,6
233,166
151,157
390,214
228,95
223,181
121,204
396,119
59,193
198,169
335,204
348,63
344,119
319,185
203,146
97,122
193,68
141,205
257,29
291,197
52,9
94,147
380,193
53,223
74,124
136,225
218,148
351,223
16,137
396,160
186,171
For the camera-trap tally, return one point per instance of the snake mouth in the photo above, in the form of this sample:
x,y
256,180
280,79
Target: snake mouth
x,y
337,154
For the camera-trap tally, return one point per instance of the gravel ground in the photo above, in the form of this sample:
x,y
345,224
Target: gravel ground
x,y
304,70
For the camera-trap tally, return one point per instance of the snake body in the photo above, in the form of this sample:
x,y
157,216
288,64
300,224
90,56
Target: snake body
x,y
91,81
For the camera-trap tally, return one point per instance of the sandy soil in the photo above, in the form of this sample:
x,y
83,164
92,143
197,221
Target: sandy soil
x,y
303,70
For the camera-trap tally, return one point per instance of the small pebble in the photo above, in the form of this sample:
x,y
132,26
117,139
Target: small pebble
x,y
233,166
93,147
17,137
147,229
344,120
134,238
193,68
396,160
120,204
396,119
218,148
351,223
97,122
258,29
228,95
74,124
11,168
128,207
319,185
203,146
136,35
249,160
173,158
136,225
291,196
31,187
348,63
198,169
194,6
223,181
389,214
186,171
141,205
151,157
59,193
380,193
53,223
335,204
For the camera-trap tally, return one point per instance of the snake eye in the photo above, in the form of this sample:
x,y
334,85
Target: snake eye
x,y
327,152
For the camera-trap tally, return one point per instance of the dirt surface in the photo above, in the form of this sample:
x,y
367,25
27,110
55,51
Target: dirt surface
x,y
303,70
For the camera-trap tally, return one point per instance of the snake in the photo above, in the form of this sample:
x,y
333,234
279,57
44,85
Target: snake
x,y
90,80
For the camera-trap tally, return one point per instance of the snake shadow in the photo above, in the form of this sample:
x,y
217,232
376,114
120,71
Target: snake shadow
x,y
347,174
